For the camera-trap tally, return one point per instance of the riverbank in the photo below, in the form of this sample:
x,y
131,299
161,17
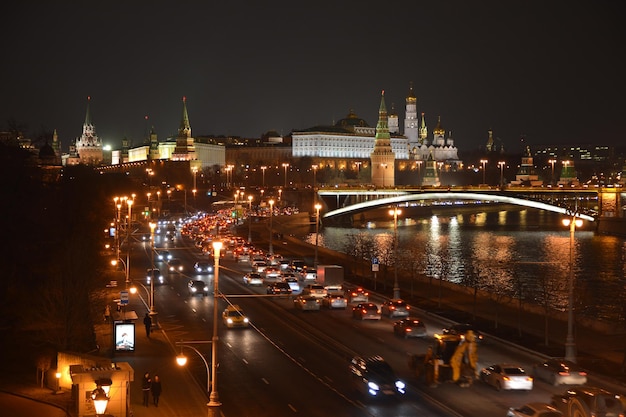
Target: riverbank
x,y
601,346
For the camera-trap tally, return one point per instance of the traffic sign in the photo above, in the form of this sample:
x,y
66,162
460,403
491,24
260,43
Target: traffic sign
x,y
124,298
375,261
375,265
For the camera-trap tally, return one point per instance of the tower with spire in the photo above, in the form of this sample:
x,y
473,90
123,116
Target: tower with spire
x,y
185,149
410,120
89,146
392,121
423,131
382,157
431,173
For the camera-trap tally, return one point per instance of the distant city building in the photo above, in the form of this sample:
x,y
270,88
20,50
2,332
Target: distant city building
x,y
382,157
87,149
526,174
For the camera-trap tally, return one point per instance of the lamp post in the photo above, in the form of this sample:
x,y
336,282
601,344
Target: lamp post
x,y
181,360
150,295
100,400
484,163
263,168
126,270
285,165
214,399
314,167
250,219
271,249
501,164
153,312
570,344
396,286
552,162
318,206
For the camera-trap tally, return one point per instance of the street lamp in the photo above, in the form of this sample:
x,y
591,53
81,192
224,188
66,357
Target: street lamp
x,y
285,165
181,360
263,168
552,162
150,295
126,270
250,219
318,206
570,344
214,399
501,164
396,286
271,250
100,400
314,167
484,162
153,312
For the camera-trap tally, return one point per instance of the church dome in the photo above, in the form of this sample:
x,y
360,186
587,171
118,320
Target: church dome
x,y
351,120
439,130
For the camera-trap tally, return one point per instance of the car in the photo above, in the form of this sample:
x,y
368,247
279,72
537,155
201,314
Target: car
x,y
233,316
198,287
293,284
175,264
534,410
357,295
272,274
588,401
395,308
375,378
243,257
335,301
253,278
297,265
409,327
506,377
259,266
461,329
306,303
203,267
366,311
277,288
164,255
560,372
315,290
154,273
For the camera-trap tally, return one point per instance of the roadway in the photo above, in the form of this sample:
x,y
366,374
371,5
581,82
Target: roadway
x,y
294,362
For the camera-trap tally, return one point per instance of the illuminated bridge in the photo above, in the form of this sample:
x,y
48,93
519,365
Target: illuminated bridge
x,y
587,203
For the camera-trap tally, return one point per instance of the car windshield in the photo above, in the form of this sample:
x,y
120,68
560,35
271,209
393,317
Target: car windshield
x,y
234,313
381,369
514,371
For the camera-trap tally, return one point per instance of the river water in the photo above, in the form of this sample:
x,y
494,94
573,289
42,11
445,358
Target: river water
x,y
511,252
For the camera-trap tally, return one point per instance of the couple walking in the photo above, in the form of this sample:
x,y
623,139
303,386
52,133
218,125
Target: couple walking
x,y
151,385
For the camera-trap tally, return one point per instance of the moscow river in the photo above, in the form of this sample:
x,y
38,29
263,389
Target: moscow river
x,y
510,252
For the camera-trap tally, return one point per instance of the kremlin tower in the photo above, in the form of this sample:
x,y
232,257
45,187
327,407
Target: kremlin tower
x,y
383,158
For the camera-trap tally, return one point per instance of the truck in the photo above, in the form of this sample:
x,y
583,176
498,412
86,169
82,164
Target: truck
x,y
331,277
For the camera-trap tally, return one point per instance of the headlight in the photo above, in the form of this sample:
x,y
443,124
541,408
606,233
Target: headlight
x,y
373,386
193,289
229,320
400,385
206,289
245,320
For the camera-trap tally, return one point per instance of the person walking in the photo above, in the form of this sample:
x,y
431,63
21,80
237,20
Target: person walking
x,y
156,390
147,322
107,313
146,384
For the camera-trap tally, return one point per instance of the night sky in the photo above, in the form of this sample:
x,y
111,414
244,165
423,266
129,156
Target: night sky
x,y
549,71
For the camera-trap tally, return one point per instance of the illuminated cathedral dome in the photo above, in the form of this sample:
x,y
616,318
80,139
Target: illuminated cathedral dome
x,y
351,120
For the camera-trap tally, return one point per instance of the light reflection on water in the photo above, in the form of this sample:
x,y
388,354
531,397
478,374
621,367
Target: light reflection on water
x,y
515,253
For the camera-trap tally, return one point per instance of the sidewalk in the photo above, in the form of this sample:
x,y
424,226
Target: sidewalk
x,y
181,396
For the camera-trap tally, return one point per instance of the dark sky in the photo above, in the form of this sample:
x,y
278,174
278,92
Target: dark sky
x,y
551,71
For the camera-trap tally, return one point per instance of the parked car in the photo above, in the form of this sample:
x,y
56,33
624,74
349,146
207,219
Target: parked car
x,y
335,301
306,303
507,377
203,267
253,278
374,377
395,308
279,288
233,316
560,372
587,402
357,295
366,311
534,410
154,274
409,327
197,287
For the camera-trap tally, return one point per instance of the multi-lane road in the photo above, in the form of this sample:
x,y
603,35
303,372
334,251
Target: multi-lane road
x,y
294,362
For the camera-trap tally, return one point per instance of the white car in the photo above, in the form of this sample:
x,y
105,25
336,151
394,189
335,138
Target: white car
x,y
306,303
507,377
560,372
253,278
293,284
335,301
534,410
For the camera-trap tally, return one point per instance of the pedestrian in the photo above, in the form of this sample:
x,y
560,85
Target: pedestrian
x,y
156,390
146,383
147,322
107,313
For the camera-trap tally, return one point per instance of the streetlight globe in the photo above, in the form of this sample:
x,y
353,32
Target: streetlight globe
x,y
217,245
181,360
133,290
